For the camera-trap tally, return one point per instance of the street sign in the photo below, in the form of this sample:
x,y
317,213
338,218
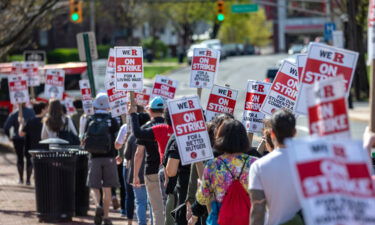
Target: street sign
x,y
35,55
81,46
328,30
338,38
244,8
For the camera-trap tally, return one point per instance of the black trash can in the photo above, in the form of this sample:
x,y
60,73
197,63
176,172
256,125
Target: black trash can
x,y
82,191
54,185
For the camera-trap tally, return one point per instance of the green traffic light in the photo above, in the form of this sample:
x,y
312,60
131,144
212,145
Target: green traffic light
x,y
75,17
220,17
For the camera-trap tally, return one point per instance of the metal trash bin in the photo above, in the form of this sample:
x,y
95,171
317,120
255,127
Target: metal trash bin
x,y
82,191
54,184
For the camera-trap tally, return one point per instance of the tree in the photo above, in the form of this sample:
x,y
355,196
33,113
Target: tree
x,y
250,28
19,18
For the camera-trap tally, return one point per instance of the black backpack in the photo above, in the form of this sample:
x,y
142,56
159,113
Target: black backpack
x,y
97,138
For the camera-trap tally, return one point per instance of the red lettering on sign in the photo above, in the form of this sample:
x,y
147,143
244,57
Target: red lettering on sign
x,y
191,104
328,91
134,52
338,57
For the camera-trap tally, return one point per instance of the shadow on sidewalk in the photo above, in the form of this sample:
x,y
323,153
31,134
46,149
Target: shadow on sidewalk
x,y
27,214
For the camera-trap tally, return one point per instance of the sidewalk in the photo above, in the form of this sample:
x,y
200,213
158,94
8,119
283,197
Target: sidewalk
x,y
17,202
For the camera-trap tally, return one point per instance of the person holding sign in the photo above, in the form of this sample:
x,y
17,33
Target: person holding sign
x,y
13,120
268,188
220,175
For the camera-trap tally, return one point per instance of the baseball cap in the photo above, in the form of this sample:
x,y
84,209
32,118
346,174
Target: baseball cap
x,y
101,101
156,103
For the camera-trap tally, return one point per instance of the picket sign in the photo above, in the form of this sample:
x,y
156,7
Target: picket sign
x,y
54,84
164,87
129,68
88,108
301,62
221,100
328,114
68,102
333,181
143,97
204,67
18,91
284,90
190,129
322,62
31,70
252,117
117,99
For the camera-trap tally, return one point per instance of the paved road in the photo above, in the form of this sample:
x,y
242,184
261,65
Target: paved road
x,y
235,71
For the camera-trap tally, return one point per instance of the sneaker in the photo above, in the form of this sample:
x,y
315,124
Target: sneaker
x,y
115,203
107,222
28,183
99,213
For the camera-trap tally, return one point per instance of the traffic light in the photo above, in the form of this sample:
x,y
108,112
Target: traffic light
x,y
220,10
75,14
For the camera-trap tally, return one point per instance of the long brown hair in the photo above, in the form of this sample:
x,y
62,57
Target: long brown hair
x,y
54,117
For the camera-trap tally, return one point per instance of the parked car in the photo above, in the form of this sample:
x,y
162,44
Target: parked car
x,y
212,44
295,49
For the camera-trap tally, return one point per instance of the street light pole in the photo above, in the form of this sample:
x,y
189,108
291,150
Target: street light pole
x,y
92,16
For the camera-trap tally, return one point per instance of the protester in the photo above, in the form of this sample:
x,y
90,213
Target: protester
x,y
174,168
32,131
77,103
268,188
139,191
219,174
156,109
56,122
102,164
159,133
18,141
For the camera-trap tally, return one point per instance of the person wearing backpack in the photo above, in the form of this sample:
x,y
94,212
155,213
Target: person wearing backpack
x,y
98,140
225,178
57,125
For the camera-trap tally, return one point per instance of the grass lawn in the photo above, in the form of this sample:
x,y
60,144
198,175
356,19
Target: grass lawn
x,y
151,71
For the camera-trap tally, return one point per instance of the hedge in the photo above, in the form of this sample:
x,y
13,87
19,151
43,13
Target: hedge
x,y
62,55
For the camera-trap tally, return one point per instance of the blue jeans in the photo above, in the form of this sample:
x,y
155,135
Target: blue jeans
x,y
141,204
129,197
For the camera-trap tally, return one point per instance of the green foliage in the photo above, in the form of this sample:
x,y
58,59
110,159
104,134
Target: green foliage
x,y
250,28
63,55
13,58
152,71
158,48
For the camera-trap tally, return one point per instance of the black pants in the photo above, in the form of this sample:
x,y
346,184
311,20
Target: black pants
x,y
21,152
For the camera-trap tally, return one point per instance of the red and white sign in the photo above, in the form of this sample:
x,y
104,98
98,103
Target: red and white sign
x,y
301,62
322,62
164,87
252,117
371,13
88,108
17,68
68,102
190,129
333,181
18,91
221,100
31,70
117,99
284,89
204,67
143,97
54,84
129,68
328,115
